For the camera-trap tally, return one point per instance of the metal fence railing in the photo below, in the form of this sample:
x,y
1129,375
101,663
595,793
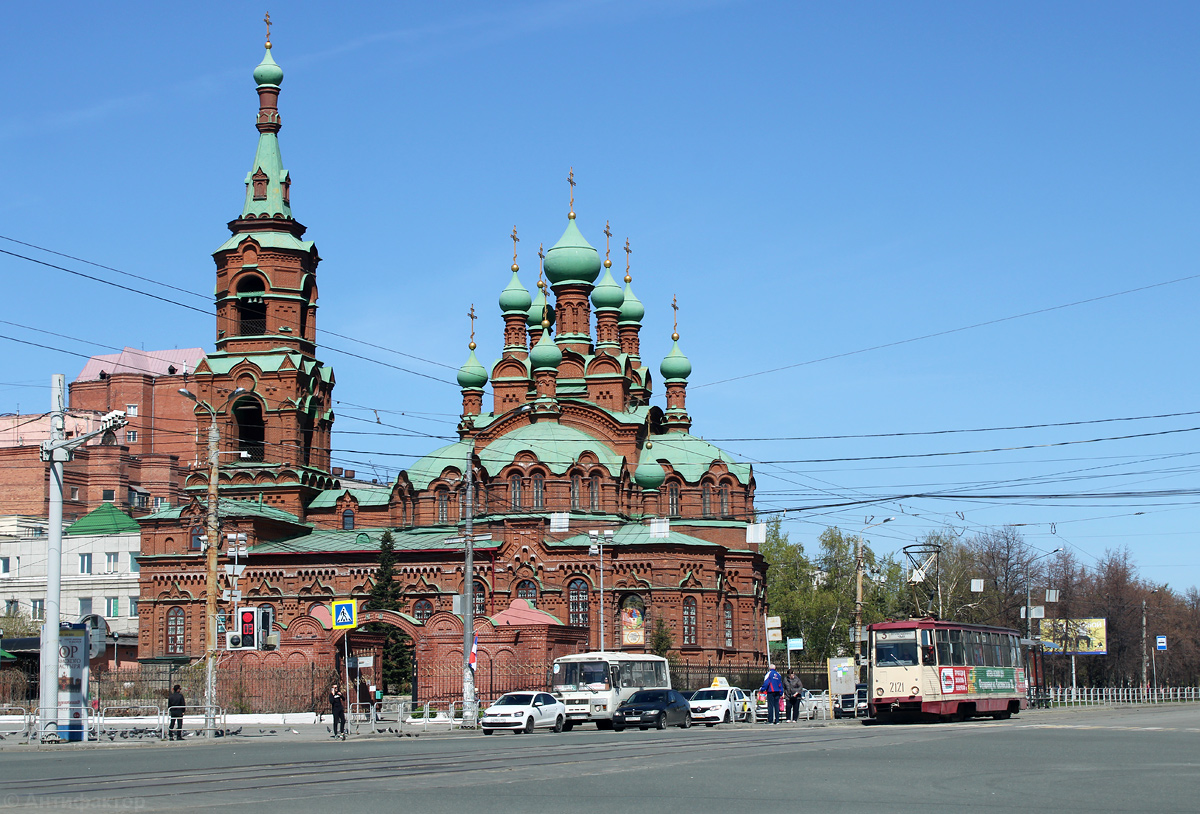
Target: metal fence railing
x,y
14,720
126,720
1114,696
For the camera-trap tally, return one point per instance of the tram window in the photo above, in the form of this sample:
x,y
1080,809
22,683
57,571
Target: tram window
x,y
1014,652
997,651
896,648
927,653
958,650
943,646
974,649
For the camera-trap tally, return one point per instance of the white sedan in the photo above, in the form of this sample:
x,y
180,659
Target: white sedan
x,y
522,712
720,705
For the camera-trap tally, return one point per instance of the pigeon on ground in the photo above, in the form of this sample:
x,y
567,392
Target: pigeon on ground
x,y
294,732
272,731
261,731
327,729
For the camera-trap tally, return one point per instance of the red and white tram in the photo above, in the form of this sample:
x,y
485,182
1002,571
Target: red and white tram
x,y
922,668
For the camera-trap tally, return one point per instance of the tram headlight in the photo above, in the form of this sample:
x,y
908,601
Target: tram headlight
x,y
916,690
879,690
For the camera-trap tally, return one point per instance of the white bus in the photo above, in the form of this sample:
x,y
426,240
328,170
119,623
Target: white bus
x,y
593,685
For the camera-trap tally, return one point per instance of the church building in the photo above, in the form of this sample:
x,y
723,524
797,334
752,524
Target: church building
x,y
559,442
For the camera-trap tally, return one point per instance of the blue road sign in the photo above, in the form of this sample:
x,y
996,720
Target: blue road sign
x,y
1162,642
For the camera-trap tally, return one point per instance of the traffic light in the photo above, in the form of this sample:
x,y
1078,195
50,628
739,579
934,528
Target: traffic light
x,y
244,635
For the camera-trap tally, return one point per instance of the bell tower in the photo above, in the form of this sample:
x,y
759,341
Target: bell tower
x,y
270,395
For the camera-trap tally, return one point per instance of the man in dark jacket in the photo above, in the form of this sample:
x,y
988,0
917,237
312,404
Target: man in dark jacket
x,y
338,707
793,692
175,704
773,686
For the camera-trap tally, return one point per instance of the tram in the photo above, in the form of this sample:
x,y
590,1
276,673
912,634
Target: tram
x,y
926,668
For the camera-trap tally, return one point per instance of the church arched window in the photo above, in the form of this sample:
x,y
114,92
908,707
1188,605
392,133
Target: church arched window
x,y
578,596
423,610
527,590
689,620
576,488
443,508
251,429
725,503
594,493
673,499
197,538
348,520
251,308
479,596
514,492
176,632
706,500
729,625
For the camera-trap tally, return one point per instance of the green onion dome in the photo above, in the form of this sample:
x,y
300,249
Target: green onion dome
x,y
534,316
515,297
267,72
632,309
545,354
649,474
607,294
572,259
471,374
676,366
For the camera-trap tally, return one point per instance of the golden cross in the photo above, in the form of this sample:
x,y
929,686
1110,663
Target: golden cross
x,y
516,240
628,251
571,181
267,20
607,235
541,254
675,308
471,314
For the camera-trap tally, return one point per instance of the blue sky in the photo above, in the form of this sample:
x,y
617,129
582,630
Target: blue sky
x,y
809,180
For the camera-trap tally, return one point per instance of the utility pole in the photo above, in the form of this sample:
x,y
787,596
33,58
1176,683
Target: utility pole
x,y
858,596
597,546
57,450
469,583
1143,645
210,603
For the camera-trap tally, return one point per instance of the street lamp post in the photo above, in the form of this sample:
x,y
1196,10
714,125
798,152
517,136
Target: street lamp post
x,y
858,596
597,546
1144,657
1028,587
210,551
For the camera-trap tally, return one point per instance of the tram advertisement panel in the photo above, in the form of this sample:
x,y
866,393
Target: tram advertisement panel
x,y
980,680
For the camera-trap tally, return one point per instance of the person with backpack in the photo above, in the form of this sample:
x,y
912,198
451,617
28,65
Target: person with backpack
x,y
773,686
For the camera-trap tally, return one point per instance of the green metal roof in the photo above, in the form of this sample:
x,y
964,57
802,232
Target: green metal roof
x,y
268,361
422,473
230,507
323,541
555,445
105,519
365,497
268,240
691,456
636,534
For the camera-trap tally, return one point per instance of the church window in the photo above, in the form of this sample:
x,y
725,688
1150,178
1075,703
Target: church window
x,y
673,499
527,590
689,620
443,510
706,500
729,625
576,488
348,520
197,537
479,596
594,493
251,308
251,429
514,492
423,610
577,603
259,182
176,631
539,492
724,499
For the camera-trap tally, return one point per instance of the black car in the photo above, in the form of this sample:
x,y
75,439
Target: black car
x,y
657,708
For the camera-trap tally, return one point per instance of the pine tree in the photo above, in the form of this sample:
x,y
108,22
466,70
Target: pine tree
x,y
385,595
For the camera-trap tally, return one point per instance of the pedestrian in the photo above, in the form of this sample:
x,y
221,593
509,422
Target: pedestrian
x,y
338,707
175,704
793,691
773,686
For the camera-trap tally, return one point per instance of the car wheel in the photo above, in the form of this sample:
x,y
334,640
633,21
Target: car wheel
x,y
559,724
528,726
661,723
643,728
728,717
487,731
687,722
618,728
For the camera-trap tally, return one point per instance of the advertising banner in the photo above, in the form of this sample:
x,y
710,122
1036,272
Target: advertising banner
x,y
981,680
73,648
1075,637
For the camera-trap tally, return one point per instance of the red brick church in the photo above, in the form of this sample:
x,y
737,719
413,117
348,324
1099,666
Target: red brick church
x,y
572,444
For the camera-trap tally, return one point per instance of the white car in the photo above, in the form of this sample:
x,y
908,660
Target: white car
x,y
523,712
720,705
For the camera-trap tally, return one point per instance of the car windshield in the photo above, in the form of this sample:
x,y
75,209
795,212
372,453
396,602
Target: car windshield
x,y
514,700
709,695
648,697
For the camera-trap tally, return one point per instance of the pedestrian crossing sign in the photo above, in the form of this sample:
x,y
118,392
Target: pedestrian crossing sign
x,y
345,614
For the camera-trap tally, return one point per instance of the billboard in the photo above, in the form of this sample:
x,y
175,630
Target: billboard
x,y
1075,637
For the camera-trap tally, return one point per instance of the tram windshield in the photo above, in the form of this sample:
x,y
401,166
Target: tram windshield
x,y
896,648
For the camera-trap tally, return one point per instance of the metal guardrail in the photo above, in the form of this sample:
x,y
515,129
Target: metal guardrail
x,y
1115,696
82,713
126,718
196,717
11,716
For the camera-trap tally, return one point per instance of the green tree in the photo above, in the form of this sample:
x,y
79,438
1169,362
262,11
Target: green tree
x,y
661,641
385,595
19,625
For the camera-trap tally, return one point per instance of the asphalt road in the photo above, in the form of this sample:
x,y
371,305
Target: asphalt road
x,y
1058,761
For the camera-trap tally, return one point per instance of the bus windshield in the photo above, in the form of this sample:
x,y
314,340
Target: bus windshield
x,y
896,648
580,675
